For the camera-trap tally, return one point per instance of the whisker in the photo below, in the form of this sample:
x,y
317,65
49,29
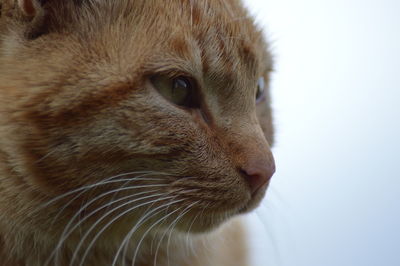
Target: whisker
x,y
108,225
173,223
146,216
70,231
116,193
180,193
190,228
78,213
149,229
278,196
103,182
66,233
84,191
202,212
271,236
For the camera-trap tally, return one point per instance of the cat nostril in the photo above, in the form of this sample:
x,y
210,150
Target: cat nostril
x,y
258,175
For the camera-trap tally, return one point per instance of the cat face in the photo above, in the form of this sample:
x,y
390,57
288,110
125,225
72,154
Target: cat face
x,y
149,107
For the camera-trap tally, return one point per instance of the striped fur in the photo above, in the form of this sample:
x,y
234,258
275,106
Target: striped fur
x,y
77,108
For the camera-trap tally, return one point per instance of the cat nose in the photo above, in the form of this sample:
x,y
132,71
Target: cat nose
x,y
258,173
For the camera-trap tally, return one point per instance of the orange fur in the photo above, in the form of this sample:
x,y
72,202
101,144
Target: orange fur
x,y
77,107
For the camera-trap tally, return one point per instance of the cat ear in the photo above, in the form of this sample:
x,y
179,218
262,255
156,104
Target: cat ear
x,y
38,17
32,14
30,8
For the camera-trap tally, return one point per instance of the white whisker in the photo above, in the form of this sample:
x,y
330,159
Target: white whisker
x,y
103,182
106,226
84,191
69,231
65,234
191,246
173,223
190,228
78,213
149,229
146,216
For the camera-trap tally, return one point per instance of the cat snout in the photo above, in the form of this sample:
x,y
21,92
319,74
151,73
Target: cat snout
x,y
258,172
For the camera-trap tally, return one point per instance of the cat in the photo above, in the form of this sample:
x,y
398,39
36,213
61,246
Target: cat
x,y
132,132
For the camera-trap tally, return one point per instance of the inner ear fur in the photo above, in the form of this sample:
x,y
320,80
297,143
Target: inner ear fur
x,y
35,14
29,8
29,14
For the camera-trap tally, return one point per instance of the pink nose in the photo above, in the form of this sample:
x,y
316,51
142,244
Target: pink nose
x,y
258,173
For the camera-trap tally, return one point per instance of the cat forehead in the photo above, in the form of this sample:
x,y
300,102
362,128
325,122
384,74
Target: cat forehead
x,y
213,38
213,56
217,37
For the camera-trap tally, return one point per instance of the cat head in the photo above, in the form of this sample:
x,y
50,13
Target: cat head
x,y
159,105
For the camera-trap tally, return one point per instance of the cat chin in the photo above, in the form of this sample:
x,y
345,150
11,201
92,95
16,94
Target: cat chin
x,y
209,222
202,225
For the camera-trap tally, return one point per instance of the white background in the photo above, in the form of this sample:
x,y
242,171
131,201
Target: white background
x,y
335,198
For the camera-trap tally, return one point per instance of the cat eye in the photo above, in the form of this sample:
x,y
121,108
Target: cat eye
x,y
179,90
260,89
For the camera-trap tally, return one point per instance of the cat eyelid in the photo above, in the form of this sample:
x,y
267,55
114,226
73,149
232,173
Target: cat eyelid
x,y
172,73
